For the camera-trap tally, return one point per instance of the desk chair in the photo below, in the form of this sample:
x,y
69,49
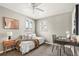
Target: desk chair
x,y
54,37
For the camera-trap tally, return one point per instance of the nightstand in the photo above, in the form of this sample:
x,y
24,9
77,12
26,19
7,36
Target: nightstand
x,y
9,44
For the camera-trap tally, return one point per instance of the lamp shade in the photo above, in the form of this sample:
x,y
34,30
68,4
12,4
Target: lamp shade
x,y
67,34
9,33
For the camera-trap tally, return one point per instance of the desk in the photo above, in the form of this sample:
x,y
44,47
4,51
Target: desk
x,y
66,42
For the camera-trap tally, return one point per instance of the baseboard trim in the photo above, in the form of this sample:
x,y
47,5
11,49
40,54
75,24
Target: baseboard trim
x,y
6,50
49,43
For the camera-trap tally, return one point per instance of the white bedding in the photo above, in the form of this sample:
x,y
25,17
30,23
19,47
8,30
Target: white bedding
x,y
26,46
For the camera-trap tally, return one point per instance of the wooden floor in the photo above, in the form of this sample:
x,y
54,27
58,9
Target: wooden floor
x,y
43,50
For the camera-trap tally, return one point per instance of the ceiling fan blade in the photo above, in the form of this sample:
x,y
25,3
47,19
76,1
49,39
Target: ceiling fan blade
x,y
35,4
39,9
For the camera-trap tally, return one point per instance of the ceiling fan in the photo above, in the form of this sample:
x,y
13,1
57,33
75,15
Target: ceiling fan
x,y
35,7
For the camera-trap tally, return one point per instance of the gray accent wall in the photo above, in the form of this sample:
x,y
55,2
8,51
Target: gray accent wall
x,y
57,24
4,12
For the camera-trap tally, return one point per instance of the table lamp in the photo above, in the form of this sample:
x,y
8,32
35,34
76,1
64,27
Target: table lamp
x,y
67,34
9,35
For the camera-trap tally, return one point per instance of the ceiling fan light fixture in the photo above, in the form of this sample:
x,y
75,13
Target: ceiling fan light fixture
x,y
34,7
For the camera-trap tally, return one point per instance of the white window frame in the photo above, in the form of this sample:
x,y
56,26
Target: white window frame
x,y
28,24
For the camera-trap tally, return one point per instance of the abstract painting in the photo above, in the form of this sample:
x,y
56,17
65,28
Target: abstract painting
x,y
10,23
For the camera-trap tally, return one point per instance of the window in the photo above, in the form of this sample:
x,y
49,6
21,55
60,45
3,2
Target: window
x,y
28,24
43,26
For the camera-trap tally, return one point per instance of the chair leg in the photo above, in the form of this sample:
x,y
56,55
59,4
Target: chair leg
x,y
60,50
53,48
74,51
57,47
63,48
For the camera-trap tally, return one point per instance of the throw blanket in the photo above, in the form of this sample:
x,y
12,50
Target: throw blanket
x,y
17,45
36,41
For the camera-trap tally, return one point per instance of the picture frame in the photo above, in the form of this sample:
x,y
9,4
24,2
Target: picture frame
x,y
10,23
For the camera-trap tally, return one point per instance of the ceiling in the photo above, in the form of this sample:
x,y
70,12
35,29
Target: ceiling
x,y
50,9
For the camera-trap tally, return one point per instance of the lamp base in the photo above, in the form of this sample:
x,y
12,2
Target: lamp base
x,y
9,37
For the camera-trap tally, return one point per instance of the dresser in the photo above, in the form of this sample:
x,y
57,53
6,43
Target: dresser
x,y
9,44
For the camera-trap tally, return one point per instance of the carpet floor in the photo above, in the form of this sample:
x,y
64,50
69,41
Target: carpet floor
x,y
43,50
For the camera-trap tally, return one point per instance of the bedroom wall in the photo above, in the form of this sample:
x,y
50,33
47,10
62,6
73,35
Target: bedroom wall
x,y
4,12
57,24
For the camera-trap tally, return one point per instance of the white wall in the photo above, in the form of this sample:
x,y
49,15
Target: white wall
x,y
57,24
4,12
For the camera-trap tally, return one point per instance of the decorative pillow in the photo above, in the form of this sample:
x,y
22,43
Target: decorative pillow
x,y
29,36
19,37
77,37
73,37
24,37
33,36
